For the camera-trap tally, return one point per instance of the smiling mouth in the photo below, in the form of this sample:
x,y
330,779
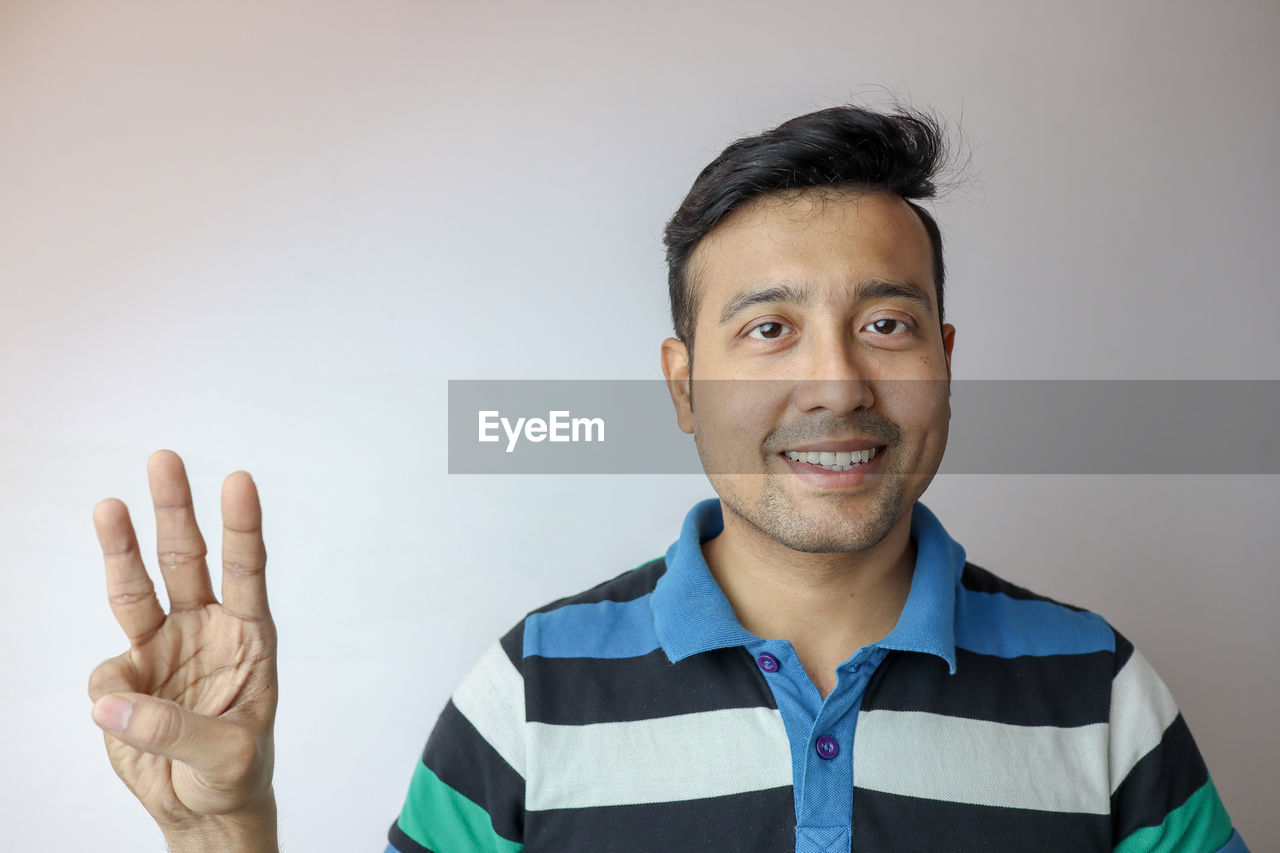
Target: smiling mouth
x,y
832,461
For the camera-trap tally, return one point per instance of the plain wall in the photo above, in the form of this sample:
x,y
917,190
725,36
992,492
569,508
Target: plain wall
x,y
265,234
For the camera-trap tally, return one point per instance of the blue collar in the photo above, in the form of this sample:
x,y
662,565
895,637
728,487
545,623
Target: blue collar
x,y
692,615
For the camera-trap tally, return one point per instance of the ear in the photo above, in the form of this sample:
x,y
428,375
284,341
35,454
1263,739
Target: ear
x,y
948,341
675,367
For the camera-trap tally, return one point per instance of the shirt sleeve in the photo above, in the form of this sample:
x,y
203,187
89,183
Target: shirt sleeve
x,y
467,791
1162,797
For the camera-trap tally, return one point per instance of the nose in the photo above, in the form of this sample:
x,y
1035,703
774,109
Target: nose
x,y
832,376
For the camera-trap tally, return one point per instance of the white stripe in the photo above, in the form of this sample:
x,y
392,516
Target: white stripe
x,y
685,757
491,696
959,760
1141,709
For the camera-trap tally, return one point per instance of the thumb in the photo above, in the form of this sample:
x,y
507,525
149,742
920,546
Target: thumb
x,y
211,746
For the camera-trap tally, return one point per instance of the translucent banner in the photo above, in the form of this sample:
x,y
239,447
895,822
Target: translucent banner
x,y
993,427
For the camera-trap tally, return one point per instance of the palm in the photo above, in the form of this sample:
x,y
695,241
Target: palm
x,y
215,660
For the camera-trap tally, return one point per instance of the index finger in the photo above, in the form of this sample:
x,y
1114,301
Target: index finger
x,y
244,555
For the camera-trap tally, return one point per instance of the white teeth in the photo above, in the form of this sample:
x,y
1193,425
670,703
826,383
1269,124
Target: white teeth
x,y
829,461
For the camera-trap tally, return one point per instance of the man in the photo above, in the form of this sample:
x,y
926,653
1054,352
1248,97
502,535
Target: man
x,y
812,666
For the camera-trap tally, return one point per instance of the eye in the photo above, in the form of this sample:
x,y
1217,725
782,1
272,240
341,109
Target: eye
x,y
768,331
889,326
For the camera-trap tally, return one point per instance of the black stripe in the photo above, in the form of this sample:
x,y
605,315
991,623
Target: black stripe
x,y
403,842
1124,650
1056,690
758,822
978,579
465,761
913,825
512,643
1159,783
576,691
627,586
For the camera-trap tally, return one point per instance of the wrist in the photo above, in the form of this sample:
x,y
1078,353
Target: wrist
x,y
252,831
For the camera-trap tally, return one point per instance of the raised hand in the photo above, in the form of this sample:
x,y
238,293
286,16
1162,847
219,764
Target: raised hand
x,y
188,710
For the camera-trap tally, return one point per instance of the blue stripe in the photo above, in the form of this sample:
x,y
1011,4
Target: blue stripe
x,y
604,629
995,624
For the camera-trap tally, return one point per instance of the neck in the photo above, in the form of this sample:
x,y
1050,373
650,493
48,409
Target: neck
x,y
826,605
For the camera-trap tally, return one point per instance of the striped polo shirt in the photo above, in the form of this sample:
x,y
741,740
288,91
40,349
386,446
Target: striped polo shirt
x,y
641,716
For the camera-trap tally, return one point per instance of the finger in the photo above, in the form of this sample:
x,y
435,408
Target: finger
x,y
179,545
129,590
112,676
215,748
244,556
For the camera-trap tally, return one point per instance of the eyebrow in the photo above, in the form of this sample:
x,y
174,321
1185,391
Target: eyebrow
x,y
876,288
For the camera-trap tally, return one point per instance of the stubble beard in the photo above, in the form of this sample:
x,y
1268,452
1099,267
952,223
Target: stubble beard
x,y
848,523
838,530
776,513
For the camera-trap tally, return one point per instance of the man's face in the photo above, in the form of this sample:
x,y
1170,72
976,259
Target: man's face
x,y
822,306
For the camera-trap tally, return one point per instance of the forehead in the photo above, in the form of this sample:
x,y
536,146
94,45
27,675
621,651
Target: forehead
x,y
828,239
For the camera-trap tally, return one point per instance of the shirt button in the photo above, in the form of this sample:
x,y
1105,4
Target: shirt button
x,y
827,747
768,662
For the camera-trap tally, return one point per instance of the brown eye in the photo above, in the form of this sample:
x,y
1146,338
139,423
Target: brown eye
x,y
768,331
888,325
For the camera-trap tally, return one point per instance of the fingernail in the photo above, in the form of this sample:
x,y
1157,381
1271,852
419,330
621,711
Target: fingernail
x,y
112,713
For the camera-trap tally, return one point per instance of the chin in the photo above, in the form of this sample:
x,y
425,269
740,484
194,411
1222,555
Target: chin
x,y
832,545
830,531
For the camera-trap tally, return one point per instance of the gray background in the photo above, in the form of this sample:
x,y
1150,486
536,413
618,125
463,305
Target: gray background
x,y
266,234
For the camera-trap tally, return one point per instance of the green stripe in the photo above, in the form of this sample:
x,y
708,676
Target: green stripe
x,y
1200,825
441,819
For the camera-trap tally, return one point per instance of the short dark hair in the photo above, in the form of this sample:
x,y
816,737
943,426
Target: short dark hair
x,y
845,147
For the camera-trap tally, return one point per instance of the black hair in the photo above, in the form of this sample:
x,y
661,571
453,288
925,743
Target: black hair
x,y
845,147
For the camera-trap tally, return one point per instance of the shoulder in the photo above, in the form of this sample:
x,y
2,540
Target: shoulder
x,y
996,616
611,619
977,579
628,586
1000,619
491,703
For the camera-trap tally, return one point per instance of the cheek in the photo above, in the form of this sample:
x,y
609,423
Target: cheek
x,y
738,411
919,406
